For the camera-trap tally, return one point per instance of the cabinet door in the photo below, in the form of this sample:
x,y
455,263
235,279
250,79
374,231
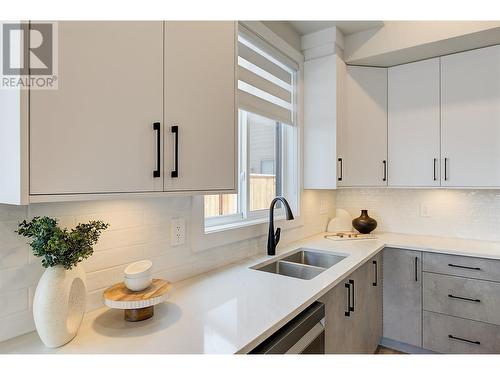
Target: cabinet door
x,y
94,134
372,304
200,101
363,133
357,330
470,113
413,124
340,321
402,296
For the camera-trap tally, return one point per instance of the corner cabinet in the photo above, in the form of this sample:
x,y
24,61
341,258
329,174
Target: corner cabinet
x,y
362,154
141,107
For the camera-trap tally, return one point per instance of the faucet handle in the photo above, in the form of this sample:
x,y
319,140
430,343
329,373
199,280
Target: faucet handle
x,y
277,236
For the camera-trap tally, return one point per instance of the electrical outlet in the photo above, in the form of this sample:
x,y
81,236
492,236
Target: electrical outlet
x,y
177,232
323,207
424,210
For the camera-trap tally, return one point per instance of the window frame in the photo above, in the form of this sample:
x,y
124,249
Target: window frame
x,y
289,168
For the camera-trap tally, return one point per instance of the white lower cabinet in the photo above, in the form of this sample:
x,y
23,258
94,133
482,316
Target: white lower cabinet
x,y
353,311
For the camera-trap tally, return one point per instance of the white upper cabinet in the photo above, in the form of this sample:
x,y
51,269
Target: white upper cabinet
x,y
323,92
200,102
136,102
94,134
363,132
413,124
470,118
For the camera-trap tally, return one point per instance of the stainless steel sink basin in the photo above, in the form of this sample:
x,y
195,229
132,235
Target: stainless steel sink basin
x,y
313,258
291,269
302,264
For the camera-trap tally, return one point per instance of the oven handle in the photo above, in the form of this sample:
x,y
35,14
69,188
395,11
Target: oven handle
x,y
307,339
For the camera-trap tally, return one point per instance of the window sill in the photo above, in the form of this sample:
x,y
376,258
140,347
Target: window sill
x,y
240,224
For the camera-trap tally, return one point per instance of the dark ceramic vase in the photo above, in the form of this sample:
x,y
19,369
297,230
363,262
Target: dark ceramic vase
x,y
364,224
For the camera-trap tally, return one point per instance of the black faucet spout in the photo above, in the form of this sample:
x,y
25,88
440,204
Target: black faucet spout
x,y
273,238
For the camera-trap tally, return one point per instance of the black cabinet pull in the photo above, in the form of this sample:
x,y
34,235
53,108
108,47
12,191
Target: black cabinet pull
x,y
435,169
376,273
446,169
341,169
348,310
351,308
416,269
464,340
384,162
465,267
157,129
464,298
175,172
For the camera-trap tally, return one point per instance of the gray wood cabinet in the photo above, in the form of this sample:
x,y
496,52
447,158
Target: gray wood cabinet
x,y
354,311
402,296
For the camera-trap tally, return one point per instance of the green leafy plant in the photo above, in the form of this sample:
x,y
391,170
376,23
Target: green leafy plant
x,y
59,246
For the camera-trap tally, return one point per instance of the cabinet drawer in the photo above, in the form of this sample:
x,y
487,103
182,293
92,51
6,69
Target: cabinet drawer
x,y
448,334
461,297
476,268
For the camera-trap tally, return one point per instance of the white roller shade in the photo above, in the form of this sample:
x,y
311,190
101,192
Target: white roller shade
x,y
265,79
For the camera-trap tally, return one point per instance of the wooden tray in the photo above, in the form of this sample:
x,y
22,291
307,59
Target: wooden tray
x,y
137,305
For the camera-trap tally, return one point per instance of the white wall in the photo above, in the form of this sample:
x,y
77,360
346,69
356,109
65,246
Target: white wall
x,y
139,229
398,42
471,214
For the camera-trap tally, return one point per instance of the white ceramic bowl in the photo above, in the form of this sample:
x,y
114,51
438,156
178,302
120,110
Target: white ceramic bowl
x,y
137,284
138,269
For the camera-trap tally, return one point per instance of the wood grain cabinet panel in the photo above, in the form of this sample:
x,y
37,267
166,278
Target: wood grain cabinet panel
x,y
465,298
474,268
402,296
448,334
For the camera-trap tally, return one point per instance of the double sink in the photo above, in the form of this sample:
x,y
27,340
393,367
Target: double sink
x,y
302,264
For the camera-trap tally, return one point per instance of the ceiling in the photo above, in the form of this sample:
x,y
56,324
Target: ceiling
x,y
346,27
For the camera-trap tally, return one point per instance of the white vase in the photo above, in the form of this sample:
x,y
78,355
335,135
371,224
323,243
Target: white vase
x,y
59,304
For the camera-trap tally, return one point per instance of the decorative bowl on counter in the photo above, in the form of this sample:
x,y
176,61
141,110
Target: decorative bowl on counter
x,y
138,275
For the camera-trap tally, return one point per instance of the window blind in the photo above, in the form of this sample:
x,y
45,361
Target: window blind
x,y
266,79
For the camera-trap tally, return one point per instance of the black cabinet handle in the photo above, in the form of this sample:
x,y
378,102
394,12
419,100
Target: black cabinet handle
x,y
446,169
435,169
416,269
465,267
157,129
351,308
464,298
341,169
464,340
384,162
376,273
348,310
175,172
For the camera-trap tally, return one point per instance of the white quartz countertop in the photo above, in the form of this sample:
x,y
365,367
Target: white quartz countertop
x,y
234,308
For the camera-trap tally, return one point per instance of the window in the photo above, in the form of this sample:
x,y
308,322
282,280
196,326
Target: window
x,y
268,163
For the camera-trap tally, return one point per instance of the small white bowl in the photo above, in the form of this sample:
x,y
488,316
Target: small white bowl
x,y
138,269
138,275
138,283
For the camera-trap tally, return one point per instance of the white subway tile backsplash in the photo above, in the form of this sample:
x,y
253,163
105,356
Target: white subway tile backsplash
x,y
473,214
139,229
13,302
